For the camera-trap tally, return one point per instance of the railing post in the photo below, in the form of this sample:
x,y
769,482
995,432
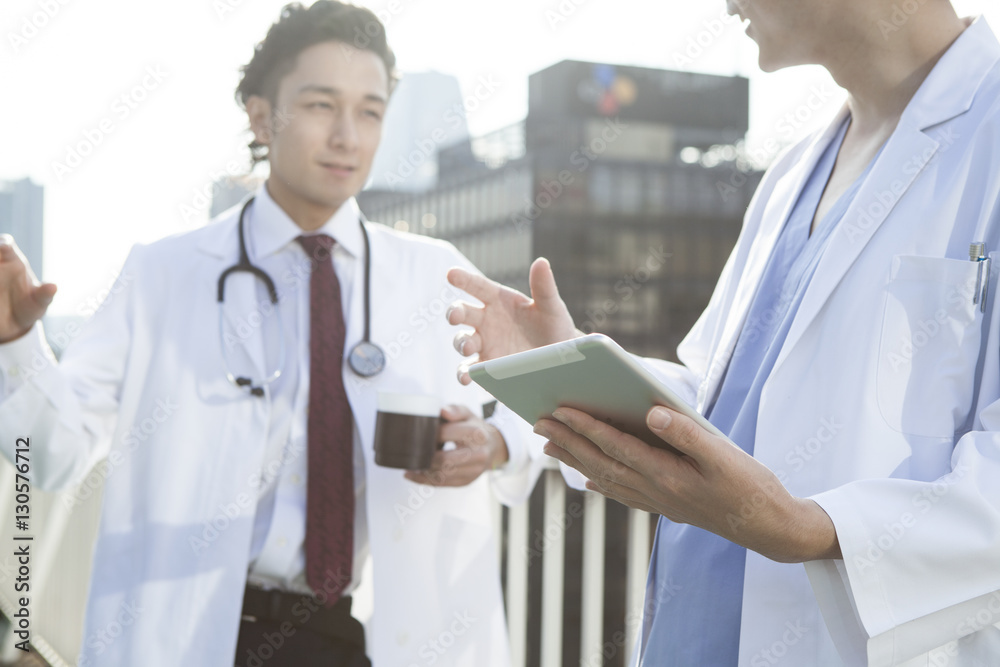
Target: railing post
x,y
592,612
553,561
517,583
638,566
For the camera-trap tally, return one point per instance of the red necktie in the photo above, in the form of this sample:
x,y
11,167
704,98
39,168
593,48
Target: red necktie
x,y
330,487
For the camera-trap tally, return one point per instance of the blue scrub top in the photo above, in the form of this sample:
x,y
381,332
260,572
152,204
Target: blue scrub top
x,y
694,592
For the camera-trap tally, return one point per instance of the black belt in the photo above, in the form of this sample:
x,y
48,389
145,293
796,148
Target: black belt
x,y
304,611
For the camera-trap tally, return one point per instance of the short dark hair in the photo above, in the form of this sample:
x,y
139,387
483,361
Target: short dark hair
x,y
296,30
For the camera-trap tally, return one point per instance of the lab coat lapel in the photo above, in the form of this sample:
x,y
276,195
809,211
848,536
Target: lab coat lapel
x,y
775,212
946,93
905,156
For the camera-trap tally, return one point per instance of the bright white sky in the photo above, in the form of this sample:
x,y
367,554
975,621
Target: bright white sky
x,y
63,79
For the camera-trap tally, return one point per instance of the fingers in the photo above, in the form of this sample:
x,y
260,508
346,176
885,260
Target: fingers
x,y
457,467
466,433
7,252
463,374
617,445
44,294
477,285
595,463
681,432
462,312
542,282
621,494
457,413
468,343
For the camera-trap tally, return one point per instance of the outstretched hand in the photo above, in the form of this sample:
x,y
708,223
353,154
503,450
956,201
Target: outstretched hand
x,y
710,483
509,321
23,300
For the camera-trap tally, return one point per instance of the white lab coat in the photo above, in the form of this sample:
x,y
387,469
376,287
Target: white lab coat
x,y
145,382
884,404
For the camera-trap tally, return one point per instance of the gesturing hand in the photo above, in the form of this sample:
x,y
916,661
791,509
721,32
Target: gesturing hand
x,y
23,301
711,484
509,321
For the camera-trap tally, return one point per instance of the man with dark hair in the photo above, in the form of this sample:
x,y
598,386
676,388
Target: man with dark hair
x,y
232,387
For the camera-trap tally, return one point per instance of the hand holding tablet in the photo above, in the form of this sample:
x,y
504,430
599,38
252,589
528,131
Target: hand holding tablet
x,y
592,374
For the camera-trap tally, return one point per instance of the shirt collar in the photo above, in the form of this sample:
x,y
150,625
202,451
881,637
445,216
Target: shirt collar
x,y
271,229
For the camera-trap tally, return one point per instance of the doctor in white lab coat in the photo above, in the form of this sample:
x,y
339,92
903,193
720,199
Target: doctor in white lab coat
x,y
202,489
877,453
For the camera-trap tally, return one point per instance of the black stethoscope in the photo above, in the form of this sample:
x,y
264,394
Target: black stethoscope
x,y
366,358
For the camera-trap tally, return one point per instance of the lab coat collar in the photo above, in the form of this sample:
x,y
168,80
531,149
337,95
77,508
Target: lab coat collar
x,y
945,93
271,229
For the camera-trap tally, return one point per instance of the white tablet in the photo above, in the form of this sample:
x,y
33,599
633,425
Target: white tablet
x,y
592,374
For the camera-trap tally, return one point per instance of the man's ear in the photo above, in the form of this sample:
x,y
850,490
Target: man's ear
x,y
259,113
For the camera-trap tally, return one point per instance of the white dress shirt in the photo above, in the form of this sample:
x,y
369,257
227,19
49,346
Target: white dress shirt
x,y
277,552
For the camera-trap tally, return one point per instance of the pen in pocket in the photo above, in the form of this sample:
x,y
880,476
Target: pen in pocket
x,y
977,253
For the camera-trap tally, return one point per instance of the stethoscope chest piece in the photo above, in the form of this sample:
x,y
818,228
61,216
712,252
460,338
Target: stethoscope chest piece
x,y
367,359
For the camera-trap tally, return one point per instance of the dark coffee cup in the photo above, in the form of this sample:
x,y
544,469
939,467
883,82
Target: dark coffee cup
x,y
406,430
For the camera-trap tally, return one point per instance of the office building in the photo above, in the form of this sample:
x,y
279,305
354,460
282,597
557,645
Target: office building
x,y
21,216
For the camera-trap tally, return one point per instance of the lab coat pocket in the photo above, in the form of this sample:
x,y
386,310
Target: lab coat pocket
x,y
931,332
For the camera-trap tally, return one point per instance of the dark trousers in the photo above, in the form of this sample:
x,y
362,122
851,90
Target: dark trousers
x,y
262,644
288,630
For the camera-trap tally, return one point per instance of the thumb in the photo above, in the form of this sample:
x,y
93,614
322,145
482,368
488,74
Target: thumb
x,y
542,282
43,294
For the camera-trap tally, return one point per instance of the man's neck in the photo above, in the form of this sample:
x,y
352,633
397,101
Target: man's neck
x,y
882,71
308,215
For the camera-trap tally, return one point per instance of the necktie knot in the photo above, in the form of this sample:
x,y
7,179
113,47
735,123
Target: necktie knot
x,y
317,246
